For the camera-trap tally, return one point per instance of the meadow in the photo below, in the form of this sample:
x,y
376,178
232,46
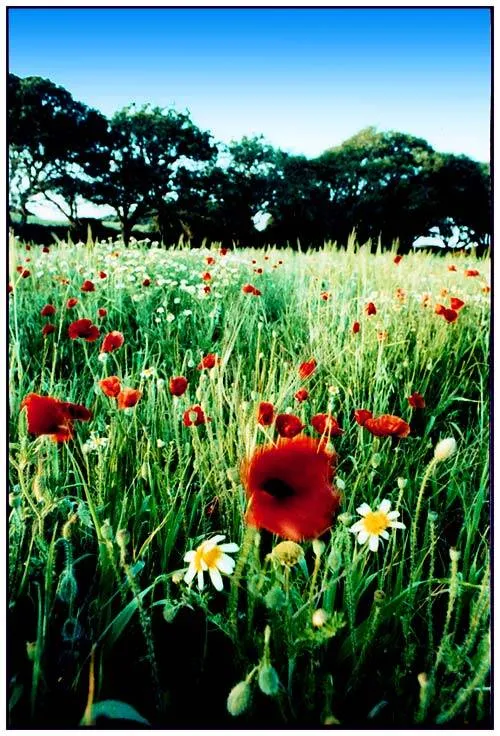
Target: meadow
x,y
292,533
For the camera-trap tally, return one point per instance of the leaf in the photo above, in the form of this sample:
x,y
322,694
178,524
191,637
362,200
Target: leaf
x,y
117,710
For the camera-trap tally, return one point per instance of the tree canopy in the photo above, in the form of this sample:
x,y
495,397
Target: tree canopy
x,y
156,166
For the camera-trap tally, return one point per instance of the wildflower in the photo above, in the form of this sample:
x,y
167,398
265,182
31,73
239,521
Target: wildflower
x,y
208,361
128,397
178,385
209,260
211,556
439,309
257,292
207,289
426,300
382,335
288,553
400,294
194,416
302,394
397,259
48,329
450,315
319,618
83,328
148,373
416,400
306,369
288,425
45,249
248,289
289,488
102,312
325,296
326,424
456,303
472,272
452,267
356,327
72,302
258,270
87,286
223,251
103,275
146,282
206,276
445,448
24,272
48,310
11,288
374,524
112,341
265,413
486,289
370,309
53,417
385,425
110,386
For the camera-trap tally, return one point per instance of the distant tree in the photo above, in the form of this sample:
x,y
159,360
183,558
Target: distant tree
x,y
53,142
138,173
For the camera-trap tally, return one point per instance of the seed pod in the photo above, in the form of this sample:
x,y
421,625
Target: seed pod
x,y
268,680
239,698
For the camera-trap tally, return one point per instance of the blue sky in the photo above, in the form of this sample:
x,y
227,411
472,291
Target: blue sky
x,y
305,78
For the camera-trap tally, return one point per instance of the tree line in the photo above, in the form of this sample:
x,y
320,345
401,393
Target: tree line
x,y
156,167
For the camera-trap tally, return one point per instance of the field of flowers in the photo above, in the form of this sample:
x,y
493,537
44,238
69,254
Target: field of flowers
x,y
248,488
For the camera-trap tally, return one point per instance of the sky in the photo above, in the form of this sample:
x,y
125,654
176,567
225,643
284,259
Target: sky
x,y
305,78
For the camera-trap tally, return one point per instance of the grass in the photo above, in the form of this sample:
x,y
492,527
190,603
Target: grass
x,y
101,623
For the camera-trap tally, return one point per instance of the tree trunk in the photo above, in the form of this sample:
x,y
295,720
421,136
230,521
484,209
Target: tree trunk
x,y
126,230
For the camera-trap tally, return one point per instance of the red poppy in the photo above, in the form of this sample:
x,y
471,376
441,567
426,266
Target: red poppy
x,y
23,271
112,341
439,309
103,275
128,397
48,329
223,251
356,328
265,413
194,416
370,309
206,276
72,302
450,315
28,247
146,282
288,425
306,369
45,249
111,386
48,310
456,303
486,289
258,270
102,312
289,488
266,258
326,424
207,289
257,292
208,361
248,289
398,259
209,260
385,425
85,329
452,267
302,394
325,296
416,400
178,385
47,415
472,272
87,286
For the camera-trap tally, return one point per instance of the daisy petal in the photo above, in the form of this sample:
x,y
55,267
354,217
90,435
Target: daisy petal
x,y
393,515
357,527
362,536
226,564
218,538
385,506
363,510
189,576
373,543
384,534
397,525
216,578
189,556
200,581
229,547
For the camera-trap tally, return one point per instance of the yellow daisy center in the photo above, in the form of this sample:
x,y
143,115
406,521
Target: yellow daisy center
x,y
209,556
375,522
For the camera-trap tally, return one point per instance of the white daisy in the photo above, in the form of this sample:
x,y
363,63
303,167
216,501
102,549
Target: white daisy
x,y
374,524
210,555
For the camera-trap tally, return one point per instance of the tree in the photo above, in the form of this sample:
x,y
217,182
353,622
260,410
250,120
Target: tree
x,y
53,143
139,171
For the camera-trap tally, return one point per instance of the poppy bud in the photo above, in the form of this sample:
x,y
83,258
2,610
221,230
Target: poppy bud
x,y
268,680
239,698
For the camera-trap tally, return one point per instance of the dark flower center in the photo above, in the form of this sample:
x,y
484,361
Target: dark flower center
x,y
277,488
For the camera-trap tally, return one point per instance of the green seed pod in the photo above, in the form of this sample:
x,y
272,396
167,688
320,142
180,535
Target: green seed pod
x,y
67,588
239,698
268,680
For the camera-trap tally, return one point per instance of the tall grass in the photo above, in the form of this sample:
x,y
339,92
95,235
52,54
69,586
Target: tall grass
x,y
99,530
